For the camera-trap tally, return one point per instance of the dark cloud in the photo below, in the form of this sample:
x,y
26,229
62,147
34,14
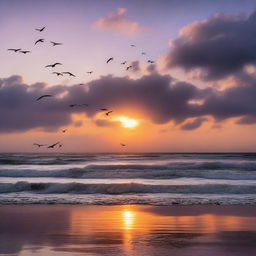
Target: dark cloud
x,y
192,125
248,119
160,98
218,47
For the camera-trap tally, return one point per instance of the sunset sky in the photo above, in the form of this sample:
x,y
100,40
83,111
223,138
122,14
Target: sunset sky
x,y
199,95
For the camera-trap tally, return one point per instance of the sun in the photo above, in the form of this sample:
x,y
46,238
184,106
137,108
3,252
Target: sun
x,y
127,122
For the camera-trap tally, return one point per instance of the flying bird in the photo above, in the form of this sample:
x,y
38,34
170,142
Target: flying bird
x,y
132,45
151,61
60,145
123,145
110,59
104,109
128,67
40,29
54,43
108,112
43,96
64,130
39,145
53,65
143,53
25,52
58,73
123,63
72,105
53,145
14,50
68,73
89,72
41,40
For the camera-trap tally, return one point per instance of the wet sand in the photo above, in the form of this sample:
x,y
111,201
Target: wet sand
x,y
127,230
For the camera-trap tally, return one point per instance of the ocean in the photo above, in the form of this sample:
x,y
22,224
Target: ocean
x,y
117,179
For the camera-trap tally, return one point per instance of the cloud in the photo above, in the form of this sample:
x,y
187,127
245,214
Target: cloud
x,y
192,125
118,21
158,98
214,48
105,123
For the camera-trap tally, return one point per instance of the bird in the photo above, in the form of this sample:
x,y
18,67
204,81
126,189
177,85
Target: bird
x,y
14,50
53,65
104,109
143,53
151,61
54,43
68,73
60,145
108,112
72,105
128,67
39,145
132,45
110,59
123,145
41,40
25,52
43,96
58,73
123,63
53,145
89,72
64,130
40,29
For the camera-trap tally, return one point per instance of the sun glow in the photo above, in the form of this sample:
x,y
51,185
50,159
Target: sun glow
x,y
128,122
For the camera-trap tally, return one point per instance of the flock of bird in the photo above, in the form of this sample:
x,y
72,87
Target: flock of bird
x,y
42,40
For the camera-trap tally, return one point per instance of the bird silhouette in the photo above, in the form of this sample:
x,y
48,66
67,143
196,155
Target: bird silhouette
x,y
53,145
110,59
132,45
64,130
108,112
123,145
89,72
151,61
40,29
41,40
54,43
143,53
53,65
25,52
68,73
104,109
58,73
14,50
38,145
60,145
72,105
128,67
123,63
43,96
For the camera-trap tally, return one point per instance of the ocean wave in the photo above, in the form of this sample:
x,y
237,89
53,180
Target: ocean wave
x,y
124,188
212,170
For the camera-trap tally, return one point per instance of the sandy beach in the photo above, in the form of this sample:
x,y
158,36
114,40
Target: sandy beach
x,y
127,230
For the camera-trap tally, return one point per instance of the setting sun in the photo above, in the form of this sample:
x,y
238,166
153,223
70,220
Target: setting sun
x,y
128,122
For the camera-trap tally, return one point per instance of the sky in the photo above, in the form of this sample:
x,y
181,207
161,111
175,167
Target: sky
x,y
197,94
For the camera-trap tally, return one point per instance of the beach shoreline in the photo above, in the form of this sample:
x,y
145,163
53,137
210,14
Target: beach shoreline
x,y
127,230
